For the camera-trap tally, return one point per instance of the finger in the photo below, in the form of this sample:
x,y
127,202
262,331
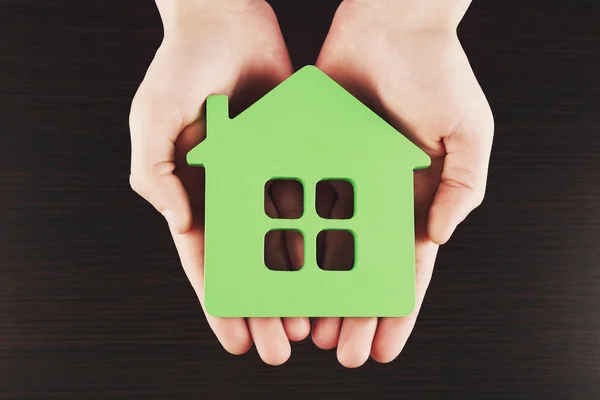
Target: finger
x,y
296,328
155,123
356,338
326,332
288,201
232,333
192,178
463,178
270,339
356,334
270,334
338,253
393,333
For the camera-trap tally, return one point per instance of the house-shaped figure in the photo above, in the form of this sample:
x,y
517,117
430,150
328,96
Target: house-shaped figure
x,y
309,129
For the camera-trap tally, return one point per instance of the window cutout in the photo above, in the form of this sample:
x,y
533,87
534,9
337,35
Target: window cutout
x,y
289,189
335,250
329,192
279,255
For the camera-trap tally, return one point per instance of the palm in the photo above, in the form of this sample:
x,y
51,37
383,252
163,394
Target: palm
x,y
421,82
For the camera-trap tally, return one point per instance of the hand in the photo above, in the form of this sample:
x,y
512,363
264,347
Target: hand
x,y
229,47
419,79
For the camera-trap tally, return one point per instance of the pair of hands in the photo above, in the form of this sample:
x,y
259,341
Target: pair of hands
x,y
401,58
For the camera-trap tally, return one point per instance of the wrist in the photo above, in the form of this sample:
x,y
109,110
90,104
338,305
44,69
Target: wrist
x,y
418,14
174,12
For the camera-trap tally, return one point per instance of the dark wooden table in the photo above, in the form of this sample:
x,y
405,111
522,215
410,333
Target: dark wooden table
x,y
94,304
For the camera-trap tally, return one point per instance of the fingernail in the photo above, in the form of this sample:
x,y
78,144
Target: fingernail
x,y
171,218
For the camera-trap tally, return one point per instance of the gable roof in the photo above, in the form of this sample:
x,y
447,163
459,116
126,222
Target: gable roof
x,y
310,95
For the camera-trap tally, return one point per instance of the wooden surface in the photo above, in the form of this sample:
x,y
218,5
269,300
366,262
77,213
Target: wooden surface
x,y
93,302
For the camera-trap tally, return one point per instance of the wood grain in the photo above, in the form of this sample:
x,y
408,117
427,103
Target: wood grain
x,y
93,302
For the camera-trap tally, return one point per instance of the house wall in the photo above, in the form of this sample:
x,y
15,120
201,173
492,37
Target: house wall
x,y
236,225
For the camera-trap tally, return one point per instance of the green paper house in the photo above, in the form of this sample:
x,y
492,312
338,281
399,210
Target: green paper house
x,y
307,129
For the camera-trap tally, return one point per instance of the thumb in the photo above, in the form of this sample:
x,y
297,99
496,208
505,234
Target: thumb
x,y
464,176
155,124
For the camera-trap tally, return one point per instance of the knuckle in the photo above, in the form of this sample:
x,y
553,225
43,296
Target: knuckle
x,y
461,178
136,183
145,175
140,182
479,197
471,183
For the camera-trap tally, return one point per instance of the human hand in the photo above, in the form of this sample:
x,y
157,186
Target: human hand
x,y
407,64
229,47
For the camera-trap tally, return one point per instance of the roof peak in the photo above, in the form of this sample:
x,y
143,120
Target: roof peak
x,y
307,79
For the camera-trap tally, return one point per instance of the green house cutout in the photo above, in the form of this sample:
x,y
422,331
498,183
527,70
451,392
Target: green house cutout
x,y
308,129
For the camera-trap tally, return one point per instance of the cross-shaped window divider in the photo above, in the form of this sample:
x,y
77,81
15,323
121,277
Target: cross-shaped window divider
x,y
284,248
